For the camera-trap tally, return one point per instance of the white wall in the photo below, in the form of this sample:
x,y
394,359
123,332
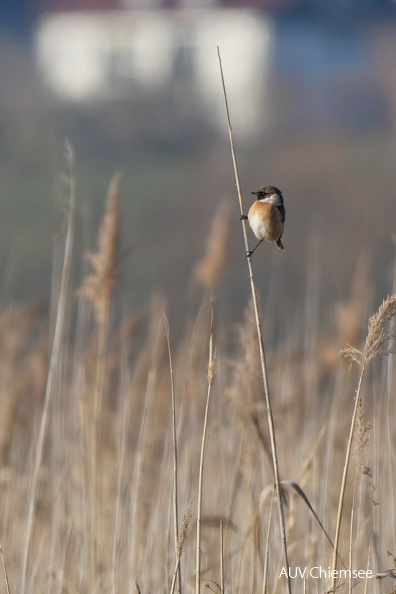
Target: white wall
x,y
86,56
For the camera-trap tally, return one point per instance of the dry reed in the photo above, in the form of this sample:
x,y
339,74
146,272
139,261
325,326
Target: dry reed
x,y
378,341
54,361
270,418
7,583
181,539
178,536
210,378
222,446
207,271
135,503
98,288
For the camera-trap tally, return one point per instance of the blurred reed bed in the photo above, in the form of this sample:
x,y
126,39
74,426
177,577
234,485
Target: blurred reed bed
x,y
103,514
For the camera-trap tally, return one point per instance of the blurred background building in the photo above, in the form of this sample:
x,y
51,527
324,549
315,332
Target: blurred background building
x,y
102,55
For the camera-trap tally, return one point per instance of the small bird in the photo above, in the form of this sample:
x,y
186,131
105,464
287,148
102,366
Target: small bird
x,y
266,216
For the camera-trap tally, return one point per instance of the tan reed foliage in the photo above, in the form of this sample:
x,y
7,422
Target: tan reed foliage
x,y
350,317
186,520
98,288
54,365
23,368
99,285
127,520
132,516
244,390
182,537
209,268
379,337
351,314
361,438
378,341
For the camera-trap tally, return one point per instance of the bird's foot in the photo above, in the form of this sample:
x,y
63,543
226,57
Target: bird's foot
x,y
243,218
248,254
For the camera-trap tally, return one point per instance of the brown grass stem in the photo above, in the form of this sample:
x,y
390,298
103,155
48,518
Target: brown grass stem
x,y
210,377
181,539
174,451
98,287
100,376
7,583
125,383
351,533
271,425
267,546
344,479
176,573
54,360
367,568
221,557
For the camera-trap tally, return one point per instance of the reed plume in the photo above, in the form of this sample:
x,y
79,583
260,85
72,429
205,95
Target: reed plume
x,y
99,285
98,288
209,268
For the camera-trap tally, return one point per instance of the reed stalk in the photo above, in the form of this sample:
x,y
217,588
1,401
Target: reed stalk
x,y
211,374
7,583
174,450
270,418
54,360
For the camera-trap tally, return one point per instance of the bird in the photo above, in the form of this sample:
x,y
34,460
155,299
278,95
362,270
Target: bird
x,y
266,216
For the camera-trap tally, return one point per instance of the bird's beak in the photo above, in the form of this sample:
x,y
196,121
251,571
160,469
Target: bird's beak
x,y
255,193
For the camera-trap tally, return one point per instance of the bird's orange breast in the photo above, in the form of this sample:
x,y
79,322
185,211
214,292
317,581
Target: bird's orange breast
x,y
265,221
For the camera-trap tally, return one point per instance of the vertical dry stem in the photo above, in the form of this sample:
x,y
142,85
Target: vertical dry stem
x,y
221,558
98,287
367,568
211,374
5,571
174,438
181,539
265,572
54,360
270,418
125,383
344,479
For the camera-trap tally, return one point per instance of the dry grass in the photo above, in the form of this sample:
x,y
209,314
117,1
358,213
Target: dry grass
x,y
102,503
208,270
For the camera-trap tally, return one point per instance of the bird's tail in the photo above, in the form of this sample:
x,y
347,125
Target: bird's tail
x,y
280,244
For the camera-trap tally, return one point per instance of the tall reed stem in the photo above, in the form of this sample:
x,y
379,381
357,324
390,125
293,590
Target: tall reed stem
x,y
174,444
98,287
5,571
344,479
54,360
270,418
211,373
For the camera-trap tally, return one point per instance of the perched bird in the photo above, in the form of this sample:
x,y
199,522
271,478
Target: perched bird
x,y
266,216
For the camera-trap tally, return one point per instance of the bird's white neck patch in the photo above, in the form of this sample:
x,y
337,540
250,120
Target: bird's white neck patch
x,y
273,199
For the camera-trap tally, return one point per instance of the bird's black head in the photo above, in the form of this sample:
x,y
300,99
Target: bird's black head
x,y
267,191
